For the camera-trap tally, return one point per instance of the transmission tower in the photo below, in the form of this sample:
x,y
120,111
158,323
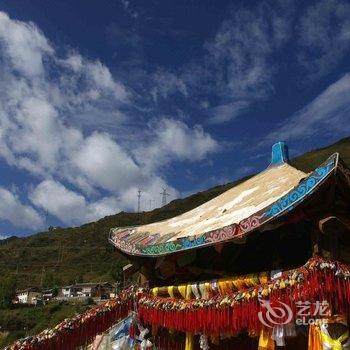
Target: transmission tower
x,y
139,201
164,195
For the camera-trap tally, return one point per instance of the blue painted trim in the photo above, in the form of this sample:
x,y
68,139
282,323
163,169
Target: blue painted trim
x,y
280,154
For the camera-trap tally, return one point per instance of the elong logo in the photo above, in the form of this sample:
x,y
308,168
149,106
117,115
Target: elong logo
x,y
278,313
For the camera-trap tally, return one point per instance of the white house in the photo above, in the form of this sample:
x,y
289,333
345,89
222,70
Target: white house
x,y
87,290
68,291
28,296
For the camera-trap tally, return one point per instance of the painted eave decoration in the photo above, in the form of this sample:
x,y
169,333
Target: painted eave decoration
x,y
233,214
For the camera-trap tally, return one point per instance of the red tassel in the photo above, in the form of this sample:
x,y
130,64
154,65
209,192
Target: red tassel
x,y
318,285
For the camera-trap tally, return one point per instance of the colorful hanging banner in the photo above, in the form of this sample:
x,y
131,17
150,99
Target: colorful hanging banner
x,y
319,280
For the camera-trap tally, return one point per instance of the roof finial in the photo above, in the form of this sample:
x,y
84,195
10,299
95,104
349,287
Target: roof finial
x,y
279,154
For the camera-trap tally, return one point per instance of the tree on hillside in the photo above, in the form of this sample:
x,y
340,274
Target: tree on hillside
x,y
7,291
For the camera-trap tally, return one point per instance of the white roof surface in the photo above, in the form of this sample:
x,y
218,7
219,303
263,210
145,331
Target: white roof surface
x,y
231,206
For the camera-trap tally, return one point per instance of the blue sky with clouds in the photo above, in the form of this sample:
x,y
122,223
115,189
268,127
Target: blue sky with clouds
x,y
100,99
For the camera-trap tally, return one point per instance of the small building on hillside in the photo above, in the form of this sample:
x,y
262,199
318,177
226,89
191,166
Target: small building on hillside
x,y
88,290
67,291
109,290
28,296
101,290
49,294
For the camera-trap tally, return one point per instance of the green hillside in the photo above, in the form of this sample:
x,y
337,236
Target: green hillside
x,y
84,254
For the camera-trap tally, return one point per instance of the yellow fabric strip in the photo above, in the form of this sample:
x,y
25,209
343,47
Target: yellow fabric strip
x,y
265,340
222,286
182,290
334,344
189,341
263,277
188,292
238,282
155,291
189,336
171,291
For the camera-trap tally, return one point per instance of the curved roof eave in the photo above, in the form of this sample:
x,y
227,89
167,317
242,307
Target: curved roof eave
x,y
125,240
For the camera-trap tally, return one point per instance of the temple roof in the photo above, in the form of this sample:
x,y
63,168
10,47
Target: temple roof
x,y
231,215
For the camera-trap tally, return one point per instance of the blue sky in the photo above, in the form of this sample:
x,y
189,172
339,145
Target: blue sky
x,y
100,99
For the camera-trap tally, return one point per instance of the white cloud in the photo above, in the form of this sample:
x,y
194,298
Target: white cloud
x,y
38,107
167,84
106,164
173,139
96,76
226,112
20,215
242,48
324,32
103,207
243,57
25,45
47,110
2,237
237,66
69,206
247,50
59,201
326,114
